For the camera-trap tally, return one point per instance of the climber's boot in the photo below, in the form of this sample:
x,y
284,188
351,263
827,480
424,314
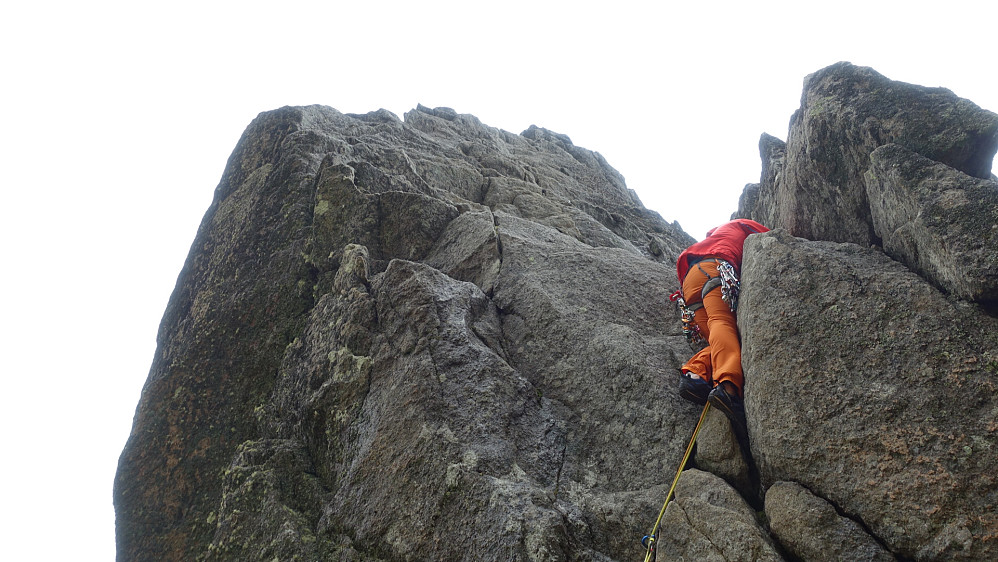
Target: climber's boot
x,y
693,388
731,405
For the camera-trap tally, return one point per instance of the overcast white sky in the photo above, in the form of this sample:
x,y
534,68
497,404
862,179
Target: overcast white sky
x,y
118,118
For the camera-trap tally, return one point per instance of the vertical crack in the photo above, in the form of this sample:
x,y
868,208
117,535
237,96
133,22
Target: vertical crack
x,y
857,520
499,250
561,465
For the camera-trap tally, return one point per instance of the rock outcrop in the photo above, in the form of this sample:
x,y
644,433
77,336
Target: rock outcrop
x,y
427,339
877,365
815,185
431,339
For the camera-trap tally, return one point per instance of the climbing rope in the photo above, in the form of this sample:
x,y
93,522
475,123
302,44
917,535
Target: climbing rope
x,y
649,540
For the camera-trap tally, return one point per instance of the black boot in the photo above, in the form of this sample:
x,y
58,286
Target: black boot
x,y
693,388
732,406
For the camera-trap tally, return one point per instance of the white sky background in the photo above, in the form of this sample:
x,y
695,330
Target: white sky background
x,y
118,118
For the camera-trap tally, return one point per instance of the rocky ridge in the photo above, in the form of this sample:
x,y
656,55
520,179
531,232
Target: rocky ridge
x,y
433,339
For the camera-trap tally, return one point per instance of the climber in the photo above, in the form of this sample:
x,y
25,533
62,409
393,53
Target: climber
x,y
708,276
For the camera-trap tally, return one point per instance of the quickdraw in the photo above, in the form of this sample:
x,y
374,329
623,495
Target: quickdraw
x,y
690,328
730,286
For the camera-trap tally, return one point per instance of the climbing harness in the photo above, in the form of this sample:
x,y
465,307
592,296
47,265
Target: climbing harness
x,y
649,540
690,328
727,280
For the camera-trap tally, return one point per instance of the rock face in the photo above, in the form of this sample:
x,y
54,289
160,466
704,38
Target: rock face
x,y
816,187
416,340
872,373
872,389
937,220
431,339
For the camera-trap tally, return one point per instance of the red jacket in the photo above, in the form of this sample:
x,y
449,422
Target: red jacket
x,y
723,242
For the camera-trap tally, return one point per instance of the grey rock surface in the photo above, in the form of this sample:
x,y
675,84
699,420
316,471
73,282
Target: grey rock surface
x,y
709,521
759,201
938,221
872,389
719,452
427,339
816,189
810,528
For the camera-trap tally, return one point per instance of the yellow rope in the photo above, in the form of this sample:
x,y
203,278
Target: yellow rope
x,y
686,457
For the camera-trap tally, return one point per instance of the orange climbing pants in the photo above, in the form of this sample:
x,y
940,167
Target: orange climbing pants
x,y
721,360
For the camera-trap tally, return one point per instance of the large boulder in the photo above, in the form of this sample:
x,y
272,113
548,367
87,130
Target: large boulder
x,y
875,391
241,298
